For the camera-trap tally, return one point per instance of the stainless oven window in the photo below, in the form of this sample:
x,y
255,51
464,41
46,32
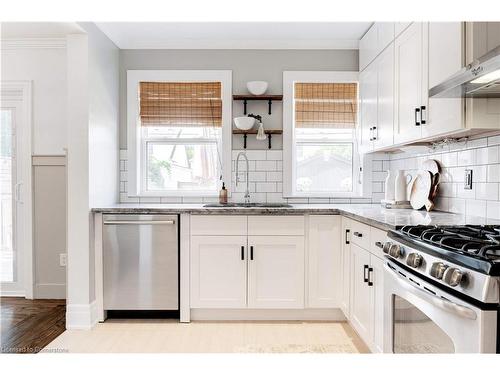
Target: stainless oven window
x,y
415,332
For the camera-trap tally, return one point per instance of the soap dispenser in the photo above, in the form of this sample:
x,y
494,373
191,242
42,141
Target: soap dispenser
x,y
223,195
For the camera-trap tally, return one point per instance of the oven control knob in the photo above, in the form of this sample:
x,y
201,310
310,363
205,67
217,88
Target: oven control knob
x,y
387,245
395,251
437,270
414,260
453,276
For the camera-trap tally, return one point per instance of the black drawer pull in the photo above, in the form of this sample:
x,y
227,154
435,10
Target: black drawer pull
x,y
357,234
365,275
347,231
422,118
370,273
251,252
379,244
243,253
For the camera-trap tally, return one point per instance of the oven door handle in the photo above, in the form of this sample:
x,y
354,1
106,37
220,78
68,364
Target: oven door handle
x,y
449,306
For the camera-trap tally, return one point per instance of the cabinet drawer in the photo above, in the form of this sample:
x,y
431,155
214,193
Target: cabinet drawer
x,y
360,234
215,225
275,225
377,235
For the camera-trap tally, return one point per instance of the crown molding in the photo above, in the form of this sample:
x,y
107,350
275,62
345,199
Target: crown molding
x,y
33,43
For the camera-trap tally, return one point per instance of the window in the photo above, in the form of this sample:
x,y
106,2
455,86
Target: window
x,y
320,117
178,128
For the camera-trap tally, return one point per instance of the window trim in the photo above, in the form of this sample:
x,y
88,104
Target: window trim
x,y
134,138
289,141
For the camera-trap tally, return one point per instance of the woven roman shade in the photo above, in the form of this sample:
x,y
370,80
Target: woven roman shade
x,y
181,104
326,105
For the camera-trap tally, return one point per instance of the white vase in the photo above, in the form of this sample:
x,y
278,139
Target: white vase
x,y
389,186
401,185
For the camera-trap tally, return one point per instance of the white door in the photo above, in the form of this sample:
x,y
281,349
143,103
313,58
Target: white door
x,y
218,271
276,272
346,265
408,89
368,92
445,114
384,132
376,277
324,266
361,294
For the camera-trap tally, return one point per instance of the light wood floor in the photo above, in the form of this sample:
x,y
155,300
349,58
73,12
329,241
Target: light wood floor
x,y
125,336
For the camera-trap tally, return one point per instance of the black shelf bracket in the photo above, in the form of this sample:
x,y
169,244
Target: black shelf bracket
x,y
269,138
245,140
270,105
245,107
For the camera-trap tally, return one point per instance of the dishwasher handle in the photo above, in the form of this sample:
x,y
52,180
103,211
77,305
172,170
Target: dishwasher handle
x,y
139,222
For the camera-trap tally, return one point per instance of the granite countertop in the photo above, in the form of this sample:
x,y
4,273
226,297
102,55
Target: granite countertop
x,y
372,214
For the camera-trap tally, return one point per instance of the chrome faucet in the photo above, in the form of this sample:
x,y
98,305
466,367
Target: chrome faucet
x,y
247,192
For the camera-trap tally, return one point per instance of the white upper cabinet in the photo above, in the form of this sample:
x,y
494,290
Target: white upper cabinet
x,y
383,134
445,114
399,27
410,110
368,47
368,97
481,38
378,37
325,261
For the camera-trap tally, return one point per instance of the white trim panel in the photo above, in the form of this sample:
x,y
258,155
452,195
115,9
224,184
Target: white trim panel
x,y
81,316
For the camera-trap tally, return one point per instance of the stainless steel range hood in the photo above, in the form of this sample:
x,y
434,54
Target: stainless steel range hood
x,y
480,79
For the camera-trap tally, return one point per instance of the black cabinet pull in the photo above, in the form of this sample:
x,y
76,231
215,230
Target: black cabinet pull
x,y
379,244
371,134
347,231
251,252
365,275
422,118
357,234
374,136
417,112
370,273
243,253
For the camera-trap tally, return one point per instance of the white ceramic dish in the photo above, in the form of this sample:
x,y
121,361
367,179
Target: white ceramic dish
x,y
244,123
257,87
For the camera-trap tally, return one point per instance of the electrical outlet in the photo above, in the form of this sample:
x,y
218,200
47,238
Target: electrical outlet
x,y
468,179
63,260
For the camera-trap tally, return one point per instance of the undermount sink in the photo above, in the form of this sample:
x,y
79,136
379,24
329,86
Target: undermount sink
x,y
248,205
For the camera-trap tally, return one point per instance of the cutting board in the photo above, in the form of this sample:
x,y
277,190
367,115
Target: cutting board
x,y
421,189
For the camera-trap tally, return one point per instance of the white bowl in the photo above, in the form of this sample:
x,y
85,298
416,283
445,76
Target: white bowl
x,y
244,123
257,87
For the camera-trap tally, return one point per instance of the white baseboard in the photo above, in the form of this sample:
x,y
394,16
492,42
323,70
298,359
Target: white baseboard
x,y
12,293
50,291
81,316
268,314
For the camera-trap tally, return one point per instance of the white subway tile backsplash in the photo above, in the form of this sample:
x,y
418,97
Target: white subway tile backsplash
x,y
476,208
487,155
275,176
456,205
274,155
267,165
267,187
466,158
493,174
487,191
493,210
492,141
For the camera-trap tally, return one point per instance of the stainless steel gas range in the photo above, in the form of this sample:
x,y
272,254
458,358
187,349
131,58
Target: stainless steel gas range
x,y
442,289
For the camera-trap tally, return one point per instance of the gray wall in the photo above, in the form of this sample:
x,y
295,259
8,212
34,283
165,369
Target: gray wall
x,y
247,65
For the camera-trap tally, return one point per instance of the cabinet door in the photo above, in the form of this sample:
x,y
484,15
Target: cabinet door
x,y
361,294
445,114
346,266
276,272
384,132
368,47
409,83
377,290
399,27
368,91
385,34
218,271
324,266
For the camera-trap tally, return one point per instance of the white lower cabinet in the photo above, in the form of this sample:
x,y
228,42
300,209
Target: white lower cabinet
x,y
365,271
346,267
324,269
276,272
218,272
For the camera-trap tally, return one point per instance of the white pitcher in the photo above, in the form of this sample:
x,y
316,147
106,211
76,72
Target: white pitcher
x,y
401,185
389,186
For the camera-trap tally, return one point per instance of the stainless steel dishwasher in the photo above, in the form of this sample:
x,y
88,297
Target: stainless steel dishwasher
x,y
141,262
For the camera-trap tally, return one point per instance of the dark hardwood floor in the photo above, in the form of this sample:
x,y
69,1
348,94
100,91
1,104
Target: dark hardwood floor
x,y
29,325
